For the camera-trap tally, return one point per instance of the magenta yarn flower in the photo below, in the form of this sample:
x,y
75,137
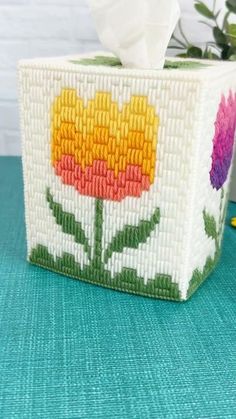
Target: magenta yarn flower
x,y
223,141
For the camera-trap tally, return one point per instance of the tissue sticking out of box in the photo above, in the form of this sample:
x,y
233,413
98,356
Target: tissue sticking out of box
x,y
136,31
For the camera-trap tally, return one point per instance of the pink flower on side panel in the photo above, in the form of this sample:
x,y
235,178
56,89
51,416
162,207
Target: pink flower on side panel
x,y
223,141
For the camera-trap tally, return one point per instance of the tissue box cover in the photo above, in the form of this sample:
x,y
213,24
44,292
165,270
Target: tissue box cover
x,y
126,171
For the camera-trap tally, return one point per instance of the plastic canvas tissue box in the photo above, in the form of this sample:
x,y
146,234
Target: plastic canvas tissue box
x,y
126,171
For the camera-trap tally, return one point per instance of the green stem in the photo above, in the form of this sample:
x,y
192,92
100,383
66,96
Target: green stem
x,y
221,220
179,41
225,20
98,230
183,35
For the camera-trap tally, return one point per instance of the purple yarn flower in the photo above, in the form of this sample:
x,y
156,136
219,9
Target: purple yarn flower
x,y
223,141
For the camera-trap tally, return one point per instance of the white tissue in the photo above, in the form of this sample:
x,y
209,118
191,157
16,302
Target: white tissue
x,y
136,31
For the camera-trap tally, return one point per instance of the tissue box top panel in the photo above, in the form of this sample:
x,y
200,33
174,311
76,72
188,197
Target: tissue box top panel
x,y
126,172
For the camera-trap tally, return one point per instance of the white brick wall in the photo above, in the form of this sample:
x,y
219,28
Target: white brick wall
x,y
30,28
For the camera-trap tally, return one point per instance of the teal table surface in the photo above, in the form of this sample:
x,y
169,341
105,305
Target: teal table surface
x,y
69,349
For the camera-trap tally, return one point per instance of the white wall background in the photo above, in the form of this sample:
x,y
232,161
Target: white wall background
x,y
31,28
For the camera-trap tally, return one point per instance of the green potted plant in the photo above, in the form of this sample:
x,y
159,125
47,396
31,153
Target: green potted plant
x,y
223,47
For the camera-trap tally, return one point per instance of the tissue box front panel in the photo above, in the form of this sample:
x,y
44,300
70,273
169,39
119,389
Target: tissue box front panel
x,y
113,163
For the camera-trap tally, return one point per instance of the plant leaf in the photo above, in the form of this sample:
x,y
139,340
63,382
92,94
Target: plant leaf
x,y
68,223
206,23
204,10
184,64
175,47
232,57
194,52
99,60
219,36
210,55
182,55
210,225
225,21
132,236
225,53
231,5
231,32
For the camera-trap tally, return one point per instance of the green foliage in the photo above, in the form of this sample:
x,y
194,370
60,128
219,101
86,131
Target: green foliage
x,y
132,236
68,223
224,45
203,10
99,60
98,232
115,62
183,65
199,276
194,52
231,5
215,234
219,36
231,32
127,280
210,225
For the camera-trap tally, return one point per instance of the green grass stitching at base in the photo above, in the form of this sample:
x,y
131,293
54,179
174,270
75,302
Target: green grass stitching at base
x,y
127,280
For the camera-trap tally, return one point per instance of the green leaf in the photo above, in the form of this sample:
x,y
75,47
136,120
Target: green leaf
x,y
225,53
217,14
204,10
219,36
194,52
184,64
231,32
99,60
210,225
232,57
175,47
231,5
132,236
199,276
208,54
68,223
213,56
184,55
225,21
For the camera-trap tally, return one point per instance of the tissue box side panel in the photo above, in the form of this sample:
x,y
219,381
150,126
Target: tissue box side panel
x,y
211,185
26,144
108,170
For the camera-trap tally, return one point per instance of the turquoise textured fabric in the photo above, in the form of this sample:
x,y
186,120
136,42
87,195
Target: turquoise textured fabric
x,y
73,350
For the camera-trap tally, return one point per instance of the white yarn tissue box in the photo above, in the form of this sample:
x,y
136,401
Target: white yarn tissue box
x,y
126,171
